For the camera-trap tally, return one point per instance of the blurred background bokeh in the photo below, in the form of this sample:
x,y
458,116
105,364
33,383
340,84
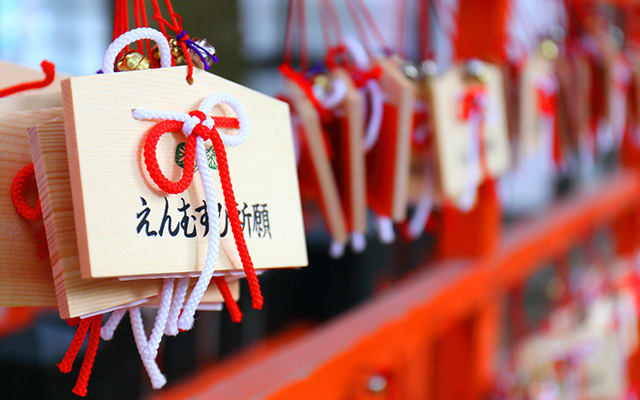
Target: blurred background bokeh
x,y
248,36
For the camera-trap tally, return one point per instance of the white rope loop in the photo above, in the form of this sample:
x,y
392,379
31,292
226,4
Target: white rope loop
x,y
156,377
132,36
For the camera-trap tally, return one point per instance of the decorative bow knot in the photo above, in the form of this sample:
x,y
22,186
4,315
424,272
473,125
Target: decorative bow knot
x,y
193,125
198,127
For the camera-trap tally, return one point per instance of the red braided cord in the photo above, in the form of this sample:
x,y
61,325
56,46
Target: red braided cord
x,y
330,23
174,16
288,35
232,306
360,28
426,50
116,20
157,15
121,22
80,388
373,26
176,26
234,219
333,16
17,194
136,15
226,122
49,70
401,23
302,32
66,364
145,23
324,20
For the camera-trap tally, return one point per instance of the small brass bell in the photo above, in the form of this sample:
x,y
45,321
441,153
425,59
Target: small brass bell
x,y
197,61
176,52
321,85
429,68
410,70
477,70
322,82
133,61
549,49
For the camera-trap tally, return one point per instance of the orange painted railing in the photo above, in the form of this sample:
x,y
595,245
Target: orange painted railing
x,y
434,335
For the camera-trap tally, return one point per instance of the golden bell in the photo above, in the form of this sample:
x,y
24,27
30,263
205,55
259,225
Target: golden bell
x,y
322,82
549,49
176,52
410,70
133,61
478,71
429,68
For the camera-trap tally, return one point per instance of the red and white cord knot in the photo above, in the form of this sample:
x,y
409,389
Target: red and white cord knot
x,y
203,126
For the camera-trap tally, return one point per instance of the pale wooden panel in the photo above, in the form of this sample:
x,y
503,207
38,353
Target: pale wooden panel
x,y
30,102
108,180
13,74
75,296
25,278
423,173
400,92
353,107
453,135
336,222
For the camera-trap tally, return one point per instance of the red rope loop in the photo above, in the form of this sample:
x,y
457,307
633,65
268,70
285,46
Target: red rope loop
x,y
18,188
49,70
151,144
153,168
